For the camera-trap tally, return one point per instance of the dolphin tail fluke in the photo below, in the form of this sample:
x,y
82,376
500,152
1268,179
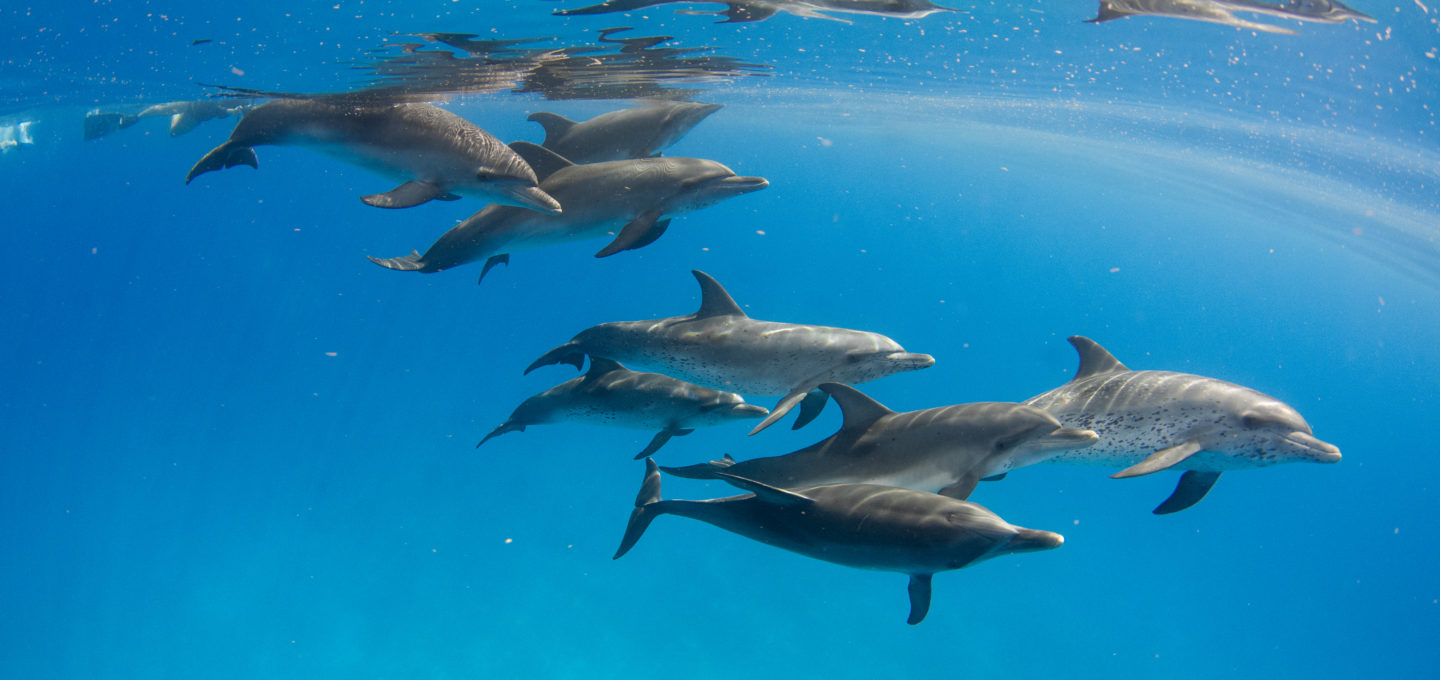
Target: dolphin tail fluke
x,y
408,263
101,123
1193,486
919,597
226,155
701,471
643,513
568,353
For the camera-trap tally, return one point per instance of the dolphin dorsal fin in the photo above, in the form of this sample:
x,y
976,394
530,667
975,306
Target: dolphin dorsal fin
x,y
601,366
765,492
714,301
540,159
555,124
860,411
1094,360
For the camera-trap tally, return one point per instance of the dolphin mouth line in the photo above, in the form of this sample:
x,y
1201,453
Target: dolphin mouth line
x,y
912,359
1320,451
743,185
1067,438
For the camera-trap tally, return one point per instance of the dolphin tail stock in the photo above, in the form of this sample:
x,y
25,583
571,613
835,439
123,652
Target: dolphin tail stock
x,y
568,353
407,263
702,470
227,155
644,511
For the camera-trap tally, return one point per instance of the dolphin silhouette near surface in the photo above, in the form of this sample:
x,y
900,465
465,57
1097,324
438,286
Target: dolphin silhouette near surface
x,y
639,132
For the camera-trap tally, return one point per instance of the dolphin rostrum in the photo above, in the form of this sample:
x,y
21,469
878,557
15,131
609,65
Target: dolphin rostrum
x,y
949,448
633,199
720,346
438,154
640,132
857,525
739,11
1154,420
610,394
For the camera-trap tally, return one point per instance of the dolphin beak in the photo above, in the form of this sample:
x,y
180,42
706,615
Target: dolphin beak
x,y
1031,540
1067,438
738,184
912,361
1318,451
749,411
533,198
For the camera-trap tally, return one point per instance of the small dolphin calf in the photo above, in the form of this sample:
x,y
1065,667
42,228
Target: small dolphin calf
x,y
739,11
949,448
857,525
720,346
640,132
635,198
610,394
437,153
1155,420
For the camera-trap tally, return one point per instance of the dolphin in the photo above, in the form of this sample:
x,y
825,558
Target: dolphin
x,y
1155,420
1323,11
949,448
720,346
740,11
1200,10
640,132
184,116
610,394
857,525
437,153
635,198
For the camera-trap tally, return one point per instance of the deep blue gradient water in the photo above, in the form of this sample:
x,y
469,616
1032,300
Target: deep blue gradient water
x,y
234,448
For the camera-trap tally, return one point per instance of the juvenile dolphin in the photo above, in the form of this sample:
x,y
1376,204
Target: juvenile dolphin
x,y
610,394
632,199
739,11
720,346
1200,10
1154,420
949,448
640,132
437,153
857,525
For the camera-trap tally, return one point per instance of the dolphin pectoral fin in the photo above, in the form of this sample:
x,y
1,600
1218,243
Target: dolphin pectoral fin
x,y
503,258
407,195
788,402
1193,486
962,488
1160,460
640,232
660,438
994,478
765,492
181,123
919,597
810,408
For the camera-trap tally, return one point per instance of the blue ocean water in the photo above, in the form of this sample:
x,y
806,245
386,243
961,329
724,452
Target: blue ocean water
x,y
237,449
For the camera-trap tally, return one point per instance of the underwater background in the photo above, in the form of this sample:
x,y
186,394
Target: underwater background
x,y
234,448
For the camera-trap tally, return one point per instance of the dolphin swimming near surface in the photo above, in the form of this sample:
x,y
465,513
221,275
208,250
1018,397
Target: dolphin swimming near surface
x,y
1155,420
633,199
950,448
610,394
857,525
640,132
183,115
437,153
1210,11
739,11
721,346
1323,11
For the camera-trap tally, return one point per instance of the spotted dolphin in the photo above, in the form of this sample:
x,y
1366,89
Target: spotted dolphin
x,y
610,394
438,154
640,132
866,526
721,346
1323,11
633,200
1155,420
739,11
1211,11
949,448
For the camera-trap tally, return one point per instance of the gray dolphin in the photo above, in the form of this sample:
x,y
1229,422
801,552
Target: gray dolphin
x,y
1323,11
720,346
949,448
857,525
640,132
437,153
1199,10
183,115
1155,420
610,394
633,199
739,11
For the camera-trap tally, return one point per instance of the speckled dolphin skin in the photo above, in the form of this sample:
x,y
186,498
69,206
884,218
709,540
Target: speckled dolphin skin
x,y
437,154
610,394
949,448
720,346
857,525
1155,420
